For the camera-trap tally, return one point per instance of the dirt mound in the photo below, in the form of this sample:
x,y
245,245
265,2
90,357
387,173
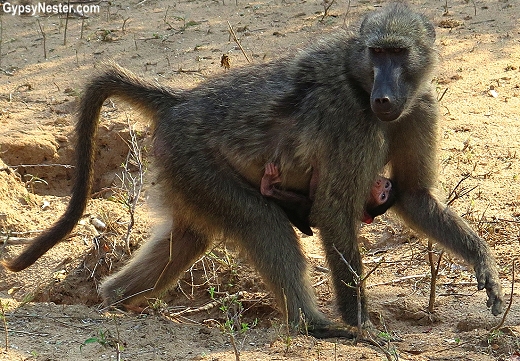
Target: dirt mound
x,y
19,206
45,160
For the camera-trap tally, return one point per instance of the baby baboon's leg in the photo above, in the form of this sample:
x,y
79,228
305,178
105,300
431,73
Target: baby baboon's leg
x,y
155,265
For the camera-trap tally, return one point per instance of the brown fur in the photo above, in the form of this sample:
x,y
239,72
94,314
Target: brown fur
x,y
337,106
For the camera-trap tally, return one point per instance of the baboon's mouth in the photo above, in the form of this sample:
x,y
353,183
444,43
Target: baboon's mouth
x,y
388,116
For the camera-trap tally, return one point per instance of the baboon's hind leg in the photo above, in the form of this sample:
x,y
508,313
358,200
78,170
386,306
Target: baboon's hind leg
x,y
274,248
263,231
156,264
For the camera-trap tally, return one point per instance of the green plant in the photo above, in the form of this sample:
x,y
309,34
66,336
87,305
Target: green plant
x,y
234,324
211,292
385,335
157,304
34,180
103,338
28,297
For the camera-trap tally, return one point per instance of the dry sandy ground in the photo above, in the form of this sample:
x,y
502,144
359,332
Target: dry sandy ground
x,y
51,311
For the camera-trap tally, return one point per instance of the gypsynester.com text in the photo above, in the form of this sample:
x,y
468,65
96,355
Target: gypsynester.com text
x,y
49,9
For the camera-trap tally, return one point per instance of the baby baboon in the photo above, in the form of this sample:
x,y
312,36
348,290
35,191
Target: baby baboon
x,y
297,206
346,106
382,196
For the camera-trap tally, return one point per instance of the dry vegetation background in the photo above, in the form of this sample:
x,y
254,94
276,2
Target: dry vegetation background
x,y
220,308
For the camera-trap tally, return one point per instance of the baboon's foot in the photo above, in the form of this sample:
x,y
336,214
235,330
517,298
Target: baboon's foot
x,y
331,330
369,333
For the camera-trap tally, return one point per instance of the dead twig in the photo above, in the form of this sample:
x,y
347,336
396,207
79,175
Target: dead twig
x,y
208,306
346,15
66,23
501,323
442,95
506,220
82,27
454,194
123,29
326,7
6,330
37,166
434,270
25,232
359,282
118,302
474,6
187,71
44,39
232,32
132,184
15,241
365,337
397,280
38,334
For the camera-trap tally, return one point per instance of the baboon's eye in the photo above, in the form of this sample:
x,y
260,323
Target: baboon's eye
x,y
387,50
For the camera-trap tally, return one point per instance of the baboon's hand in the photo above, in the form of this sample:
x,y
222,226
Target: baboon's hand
x,y
487,277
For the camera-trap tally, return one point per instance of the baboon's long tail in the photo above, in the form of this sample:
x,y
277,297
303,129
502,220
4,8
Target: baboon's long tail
x,y
114,82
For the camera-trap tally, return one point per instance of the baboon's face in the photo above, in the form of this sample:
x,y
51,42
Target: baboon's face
x,y
398,56
389,91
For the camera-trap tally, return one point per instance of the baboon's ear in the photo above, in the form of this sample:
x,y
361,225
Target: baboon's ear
x,y
363,25
430,29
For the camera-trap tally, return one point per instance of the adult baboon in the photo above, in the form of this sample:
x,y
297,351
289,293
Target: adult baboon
x,y
297,206
346,106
